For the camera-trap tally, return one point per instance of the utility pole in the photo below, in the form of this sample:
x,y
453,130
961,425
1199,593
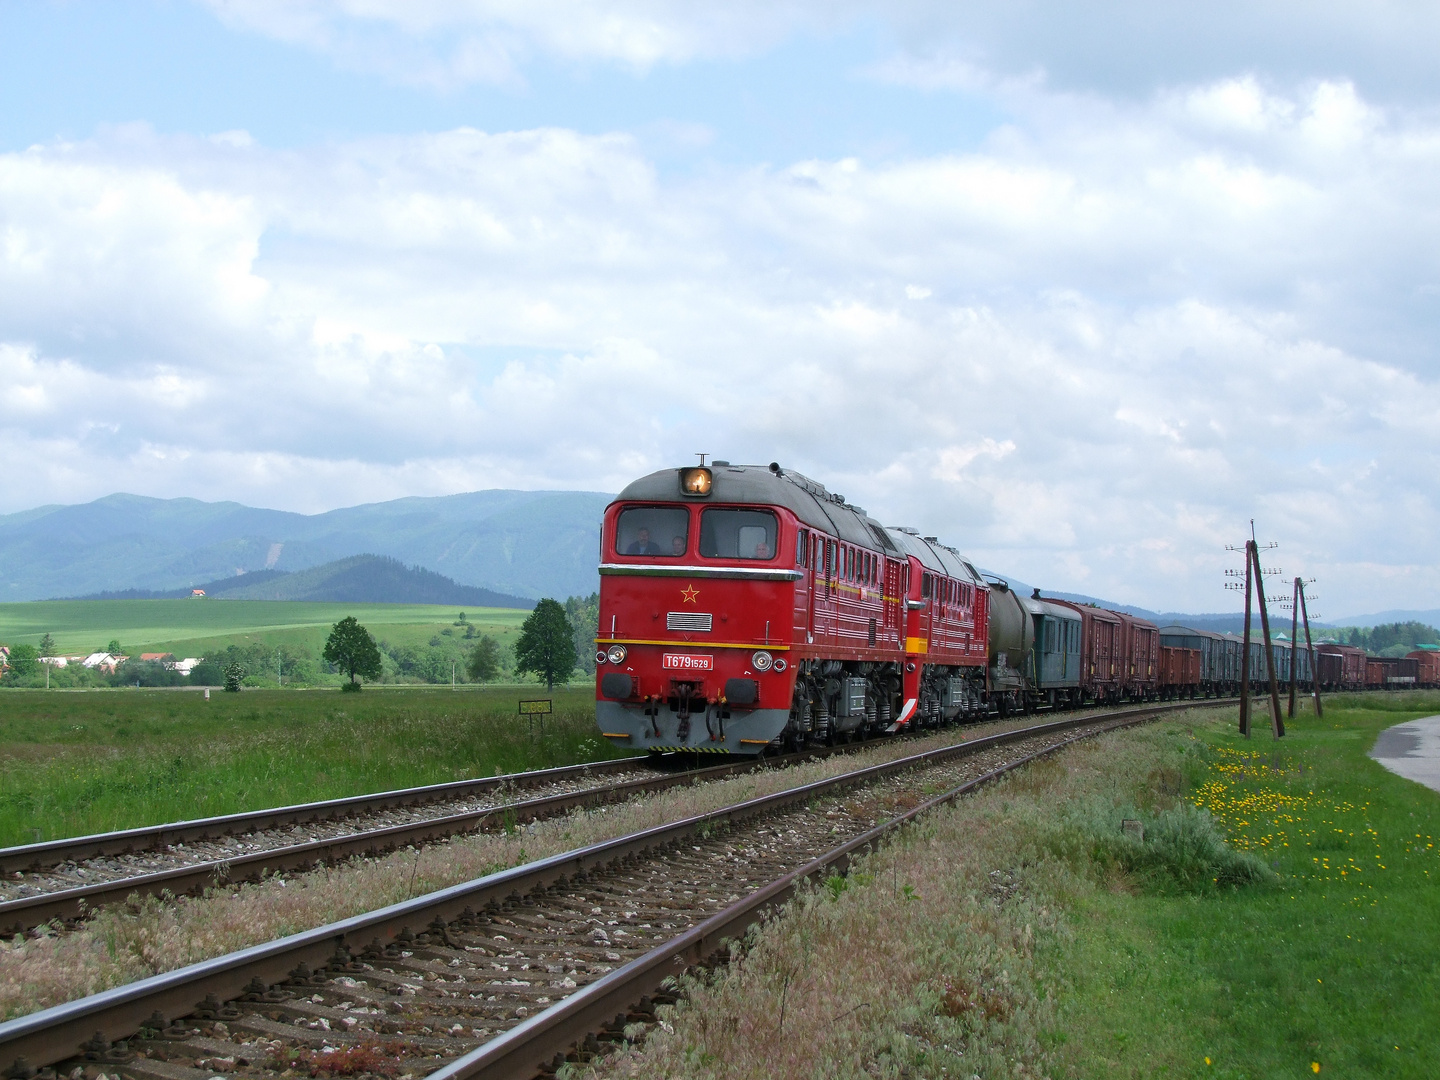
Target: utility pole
x,y
1245,649
1277,725
1294,648
1310,646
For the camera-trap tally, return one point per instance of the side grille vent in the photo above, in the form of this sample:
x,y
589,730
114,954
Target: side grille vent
x,y
689,620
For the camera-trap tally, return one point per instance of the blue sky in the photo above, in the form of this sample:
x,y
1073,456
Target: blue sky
x,y
69,70
1081,287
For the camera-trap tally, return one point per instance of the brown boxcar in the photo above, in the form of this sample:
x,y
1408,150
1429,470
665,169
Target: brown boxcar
x,y
1342,667
1179,672
1381,672
1405,676
1427,666
1138,658
1100,641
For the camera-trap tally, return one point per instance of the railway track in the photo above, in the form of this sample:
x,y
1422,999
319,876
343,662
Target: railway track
x,y
59,882
497,976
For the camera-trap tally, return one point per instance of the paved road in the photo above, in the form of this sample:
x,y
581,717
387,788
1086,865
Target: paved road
x,y
1412,750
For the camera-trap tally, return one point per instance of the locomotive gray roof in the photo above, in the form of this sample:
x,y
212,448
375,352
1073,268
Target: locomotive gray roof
x,y
935,556
811,503
803,497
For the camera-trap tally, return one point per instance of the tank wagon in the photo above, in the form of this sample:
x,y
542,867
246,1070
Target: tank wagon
x,y
745,607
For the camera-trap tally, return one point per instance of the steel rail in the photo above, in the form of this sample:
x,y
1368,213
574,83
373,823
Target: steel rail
x,y
26,912
539,1043
69,904
50,853
56,1033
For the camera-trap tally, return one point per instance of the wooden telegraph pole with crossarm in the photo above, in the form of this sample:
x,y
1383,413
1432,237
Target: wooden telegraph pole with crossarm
x,y
1253,575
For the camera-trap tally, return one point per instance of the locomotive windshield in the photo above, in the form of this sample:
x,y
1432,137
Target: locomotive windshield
x,y
662,531
738,534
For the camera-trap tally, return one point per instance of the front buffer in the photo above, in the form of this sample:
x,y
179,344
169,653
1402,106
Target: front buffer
x,y
692,698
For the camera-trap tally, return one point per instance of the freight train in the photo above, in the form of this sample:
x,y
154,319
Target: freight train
x,y
746,607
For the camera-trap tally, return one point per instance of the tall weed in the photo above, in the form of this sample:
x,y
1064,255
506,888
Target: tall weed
x,y
1182,849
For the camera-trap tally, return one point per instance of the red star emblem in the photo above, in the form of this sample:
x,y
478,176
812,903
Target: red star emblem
x,y
689,593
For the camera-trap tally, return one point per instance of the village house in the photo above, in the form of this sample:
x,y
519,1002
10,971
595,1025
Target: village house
x,y
104,662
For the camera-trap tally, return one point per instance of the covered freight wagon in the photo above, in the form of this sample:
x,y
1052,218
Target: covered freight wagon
x,y
1179,672
1340,667
1427,666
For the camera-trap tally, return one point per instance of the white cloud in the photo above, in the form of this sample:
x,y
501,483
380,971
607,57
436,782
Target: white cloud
x,y
1143,325
447,43
1111,47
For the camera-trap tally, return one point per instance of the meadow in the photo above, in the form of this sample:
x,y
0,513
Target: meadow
x,y
193,627
1276,920
80,762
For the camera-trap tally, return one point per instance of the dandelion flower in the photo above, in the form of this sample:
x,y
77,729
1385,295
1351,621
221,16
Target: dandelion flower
x,y
1315,1066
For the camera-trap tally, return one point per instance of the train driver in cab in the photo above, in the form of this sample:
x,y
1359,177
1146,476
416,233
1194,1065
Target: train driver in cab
x,y
677,545
643,545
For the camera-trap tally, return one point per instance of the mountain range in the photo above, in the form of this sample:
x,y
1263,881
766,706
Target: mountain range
x,y
360,579
524,544
514,546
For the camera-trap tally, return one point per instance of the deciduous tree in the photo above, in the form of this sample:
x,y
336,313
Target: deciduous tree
x,y
22,661
234,672
584,615
484,662
547,644
351,649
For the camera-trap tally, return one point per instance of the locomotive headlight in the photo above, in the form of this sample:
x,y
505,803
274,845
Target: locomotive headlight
x,y
761,661
616,654
696,481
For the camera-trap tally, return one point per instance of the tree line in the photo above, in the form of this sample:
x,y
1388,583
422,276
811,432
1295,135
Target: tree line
x,y
458,651
1390,638
546,649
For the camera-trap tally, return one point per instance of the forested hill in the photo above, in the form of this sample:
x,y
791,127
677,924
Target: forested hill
x,y
361,579
519,543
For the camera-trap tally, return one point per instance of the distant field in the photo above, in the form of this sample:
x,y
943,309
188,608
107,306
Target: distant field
x,y
191,627
73,763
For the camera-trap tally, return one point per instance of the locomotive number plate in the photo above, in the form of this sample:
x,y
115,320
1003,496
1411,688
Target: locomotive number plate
x,y
687,662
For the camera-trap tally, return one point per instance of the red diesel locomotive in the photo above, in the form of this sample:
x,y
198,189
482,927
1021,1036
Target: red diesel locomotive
x,y
743,607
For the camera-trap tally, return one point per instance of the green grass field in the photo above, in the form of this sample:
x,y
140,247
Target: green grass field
x,y
191,627
1335,966
75,763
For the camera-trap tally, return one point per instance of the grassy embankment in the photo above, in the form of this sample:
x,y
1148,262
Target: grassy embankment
x,y
195,627
79,763
1022,934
